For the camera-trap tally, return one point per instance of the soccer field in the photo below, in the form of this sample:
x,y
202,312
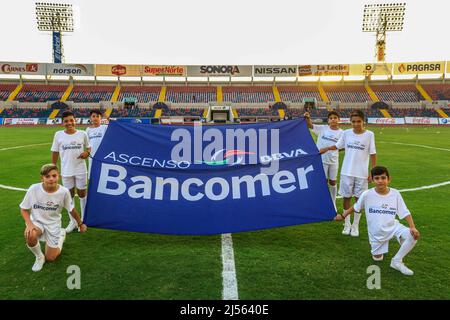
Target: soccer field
x,y
312,261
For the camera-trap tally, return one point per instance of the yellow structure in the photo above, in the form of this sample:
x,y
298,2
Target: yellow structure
x,y
116,93
16,91
67,93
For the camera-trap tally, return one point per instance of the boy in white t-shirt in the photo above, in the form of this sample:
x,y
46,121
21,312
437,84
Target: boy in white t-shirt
x,y
381,205
41,209
328,135
95,133
359,145
73,147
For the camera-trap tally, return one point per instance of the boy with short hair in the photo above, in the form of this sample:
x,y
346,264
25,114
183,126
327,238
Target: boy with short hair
x,y
381,204
41,209
359,145
95,133
328,135
70,144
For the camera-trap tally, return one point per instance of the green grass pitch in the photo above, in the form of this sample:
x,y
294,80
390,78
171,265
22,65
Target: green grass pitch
x,y
311,261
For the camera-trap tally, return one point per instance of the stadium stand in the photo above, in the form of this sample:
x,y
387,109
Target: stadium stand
x,y
24,112
242,94
257,112
91,93
192,94
40,93
142,94
190,111
297,93
5,91
438,91
397,93
347,93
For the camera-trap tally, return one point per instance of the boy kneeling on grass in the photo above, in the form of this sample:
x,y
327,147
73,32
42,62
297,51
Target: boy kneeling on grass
x,y
41,209
381,204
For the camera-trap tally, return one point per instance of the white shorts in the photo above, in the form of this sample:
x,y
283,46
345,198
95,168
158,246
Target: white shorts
x,y
50,233
352,186
79,181
331,171
381,247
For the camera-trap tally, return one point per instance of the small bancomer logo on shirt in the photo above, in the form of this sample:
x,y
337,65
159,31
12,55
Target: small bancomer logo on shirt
x,y
72,145
330,138
383,210
356,145
49,206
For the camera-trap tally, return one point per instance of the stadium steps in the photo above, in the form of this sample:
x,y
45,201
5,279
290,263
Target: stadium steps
x,y
162,95
16,91
67,93
282,113
158,113
108,112
276,94
371,93
115,94
385,113
441,113
219,94
423,92
53,114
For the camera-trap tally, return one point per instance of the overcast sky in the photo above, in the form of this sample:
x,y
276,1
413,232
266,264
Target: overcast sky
x,y
225,32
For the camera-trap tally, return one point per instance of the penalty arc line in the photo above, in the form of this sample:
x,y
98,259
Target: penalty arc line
x,y
29,145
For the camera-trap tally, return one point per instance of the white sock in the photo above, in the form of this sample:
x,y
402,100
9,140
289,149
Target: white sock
x,y
36,250
347,222
405,248
61,239
356,219
82,206
333,191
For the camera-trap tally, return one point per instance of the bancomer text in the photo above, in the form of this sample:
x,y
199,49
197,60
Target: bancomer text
x,y
112,182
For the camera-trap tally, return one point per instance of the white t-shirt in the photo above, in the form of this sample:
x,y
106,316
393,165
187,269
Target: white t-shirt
x,y
381,211
46,207
327,137
358,148
70,146
95,136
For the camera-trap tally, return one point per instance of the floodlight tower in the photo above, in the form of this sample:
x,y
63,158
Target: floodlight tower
x,y
380,18
57,18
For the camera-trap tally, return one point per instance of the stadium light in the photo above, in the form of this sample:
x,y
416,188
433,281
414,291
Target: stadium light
x,y
57,18
381,18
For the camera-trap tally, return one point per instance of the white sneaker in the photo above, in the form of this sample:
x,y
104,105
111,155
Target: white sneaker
x,y
38,264
400,266
346,230
354,231
72,226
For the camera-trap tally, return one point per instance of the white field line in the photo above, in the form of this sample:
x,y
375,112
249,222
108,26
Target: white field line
x,y
416,145
431,186
29,145
229,280
12,188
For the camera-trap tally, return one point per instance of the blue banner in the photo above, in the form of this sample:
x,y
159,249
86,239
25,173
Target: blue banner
x,y
1,121
200,180
57,47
